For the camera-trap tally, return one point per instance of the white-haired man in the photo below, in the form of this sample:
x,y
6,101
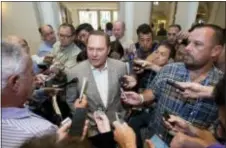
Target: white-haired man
x,y
18,123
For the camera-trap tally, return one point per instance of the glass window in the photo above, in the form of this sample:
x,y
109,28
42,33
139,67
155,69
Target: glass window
x,y
105,17
97,17
115,16
88,17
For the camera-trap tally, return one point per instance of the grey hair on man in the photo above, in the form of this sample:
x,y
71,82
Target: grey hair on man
x,y
13,61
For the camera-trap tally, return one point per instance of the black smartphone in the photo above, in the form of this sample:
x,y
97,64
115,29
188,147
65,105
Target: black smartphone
x,y
172,83
137,65
78,122
43,66
122,81
166,115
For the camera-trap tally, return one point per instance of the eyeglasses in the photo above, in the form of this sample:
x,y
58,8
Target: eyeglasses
x,y
64,36
171,34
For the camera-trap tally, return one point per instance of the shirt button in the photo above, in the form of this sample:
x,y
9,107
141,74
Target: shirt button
x,y
191,113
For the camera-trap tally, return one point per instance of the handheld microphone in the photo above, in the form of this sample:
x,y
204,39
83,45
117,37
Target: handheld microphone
x,y
74,80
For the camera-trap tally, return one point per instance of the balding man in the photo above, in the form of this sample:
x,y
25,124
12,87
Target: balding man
x,y
49,38
16,40
118,34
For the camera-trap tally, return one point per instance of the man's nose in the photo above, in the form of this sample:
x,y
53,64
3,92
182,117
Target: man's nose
x,y
94,53
188,48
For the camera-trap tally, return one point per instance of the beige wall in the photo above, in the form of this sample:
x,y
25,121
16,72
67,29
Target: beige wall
x,y
19,18
75,6
219,15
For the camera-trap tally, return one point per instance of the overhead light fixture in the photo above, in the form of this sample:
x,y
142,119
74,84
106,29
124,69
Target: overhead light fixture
x,y
156,3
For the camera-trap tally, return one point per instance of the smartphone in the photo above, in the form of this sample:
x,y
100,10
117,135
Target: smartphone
x,y
137,65
43,66
172,83
78,122
122,91
84,85
122,81
166,115
158,142
118,117
65,121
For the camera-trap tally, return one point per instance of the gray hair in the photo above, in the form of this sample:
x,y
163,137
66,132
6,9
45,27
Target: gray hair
x,y
12,61
122,23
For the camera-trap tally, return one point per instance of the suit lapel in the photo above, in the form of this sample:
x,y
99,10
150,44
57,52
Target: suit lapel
x,y
93,88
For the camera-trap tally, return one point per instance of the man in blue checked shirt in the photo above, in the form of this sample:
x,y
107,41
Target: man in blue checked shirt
x,y
205,43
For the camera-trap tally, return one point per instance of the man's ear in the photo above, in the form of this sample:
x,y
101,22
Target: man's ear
x,y
13,82
216,51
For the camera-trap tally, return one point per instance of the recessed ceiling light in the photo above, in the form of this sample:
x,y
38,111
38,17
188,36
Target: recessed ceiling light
x,y
156,3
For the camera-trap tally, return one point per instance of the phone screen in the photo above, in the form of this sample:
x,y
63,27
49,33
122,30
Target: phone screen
x,y
158,142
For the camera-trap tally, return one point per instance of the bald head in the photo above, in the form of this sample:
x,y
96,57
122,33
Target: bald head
x,y
118,29
47,34
18,41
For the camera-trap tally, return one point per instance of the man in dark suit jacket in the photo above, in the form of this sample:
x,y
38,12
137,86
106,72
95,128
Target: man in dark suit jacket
x,y
103,74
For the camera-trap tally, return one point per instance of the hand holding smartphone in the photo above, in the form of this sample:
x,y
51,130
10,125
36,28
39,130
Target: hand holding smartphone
x,y
123,93
78,123
172,83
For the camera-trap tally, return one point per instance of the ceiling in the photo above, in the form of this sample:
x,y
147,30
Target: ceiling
x,y
91,5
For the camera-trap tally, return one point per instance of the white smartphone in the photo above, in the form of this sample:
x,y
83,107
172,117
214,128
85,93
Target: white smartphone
x,y
84,83
66,121
122,91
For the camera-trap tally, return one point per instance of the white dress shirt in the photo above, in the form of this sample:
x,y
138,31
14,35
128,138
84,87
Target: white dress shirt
x,y
101,79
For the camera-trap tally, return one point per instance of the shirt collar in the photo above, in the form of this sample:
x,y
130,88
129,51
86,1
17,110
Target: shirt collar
x,y
67,47
48,45
104,68
15,113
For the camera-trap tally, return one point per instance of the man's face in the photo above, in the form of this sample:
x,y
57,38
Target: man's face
x,y
161,56
118,30
65,36
83,36
97,50
180,53
48,35
198,51
25,82
145,41
172,34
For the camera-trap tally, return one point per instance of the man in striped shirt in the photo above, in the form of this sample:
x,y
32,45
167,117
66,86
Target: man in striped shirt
x,y
18,123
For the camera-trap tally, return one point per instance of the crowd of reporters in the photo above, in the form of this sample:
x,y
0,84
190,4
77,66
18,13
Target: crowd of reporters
x,y
40,91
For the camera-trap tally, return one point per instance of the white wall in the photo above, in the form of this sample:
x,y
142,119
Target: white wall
x,y
75,6
49,13
19,18
186,14
131,14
